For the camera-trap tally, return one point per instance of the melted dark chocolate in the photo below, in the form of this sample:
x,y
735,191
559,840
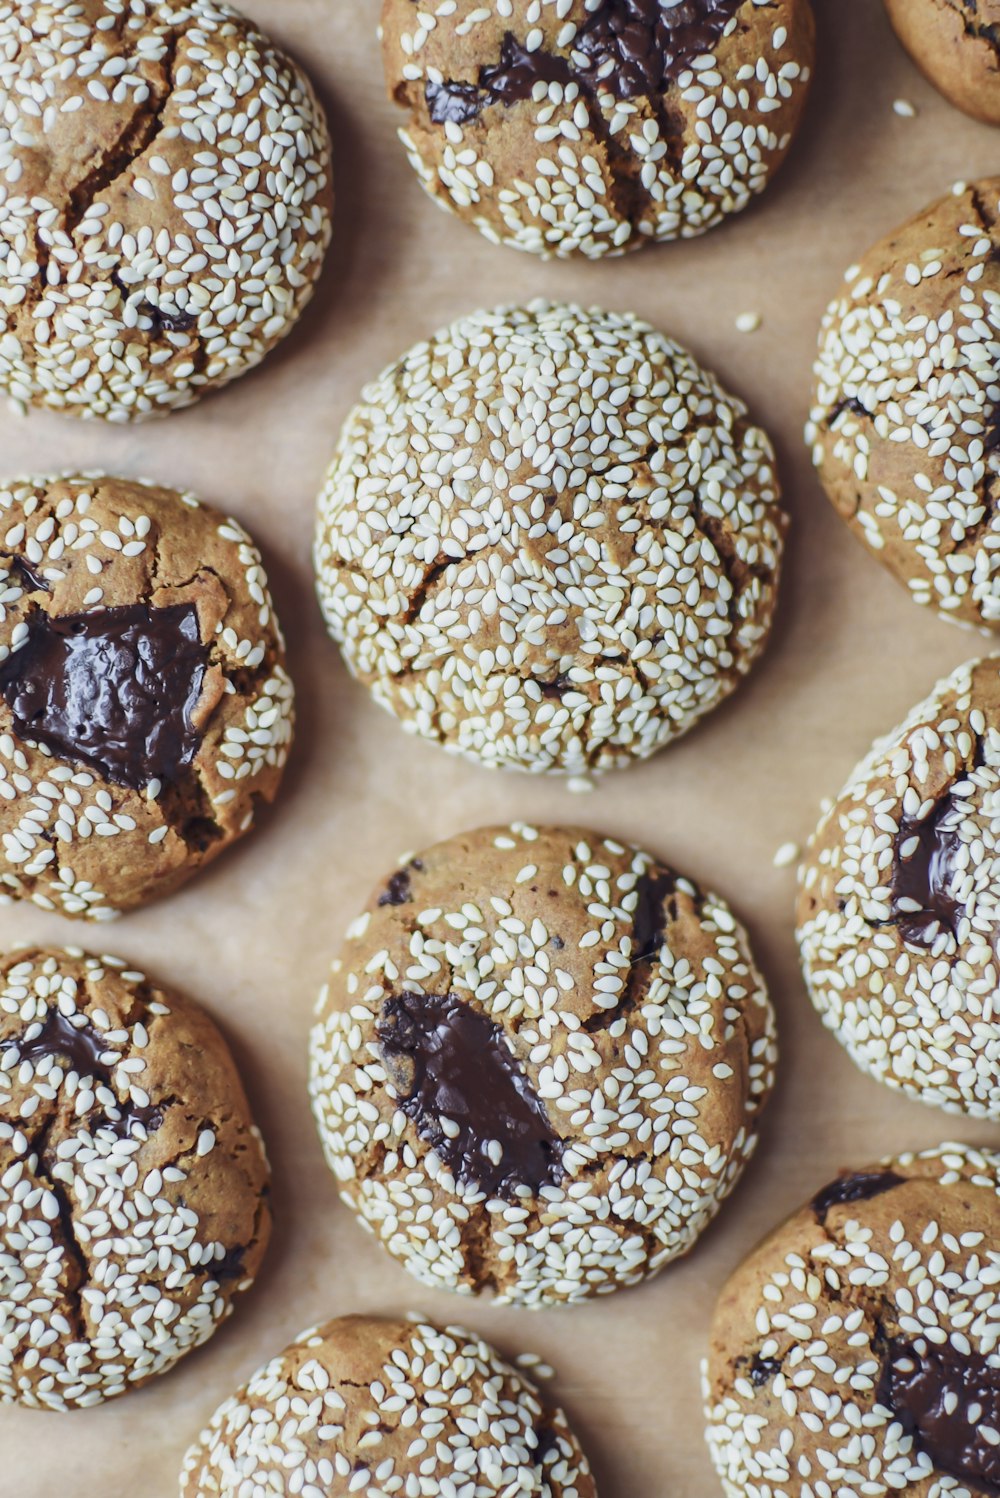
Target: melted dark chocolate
x,y
927,875
115,689
131,1118
33,581
860,1187
80,1046
448,1060
762,1370
649,919
229,1267
920,1386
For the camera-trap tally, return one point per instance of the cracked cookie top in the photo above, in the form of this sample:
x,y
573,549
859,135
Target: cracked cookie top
x,y
549,540
899,901
145,709
956,44
905,422
594,126
855,1351
165,202
133,1182
376,1407
539,1063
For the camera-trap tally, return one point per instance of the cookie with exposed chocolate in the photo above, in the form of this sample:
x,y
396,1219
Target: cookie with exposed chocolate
x,y
956,44
538,1067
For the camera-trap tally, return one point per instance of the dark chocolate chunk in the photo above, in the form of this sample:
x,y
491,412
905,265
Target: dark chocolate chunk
x,y
452,103
926,875
860,1187
166,322
649,919
229,1267
80,1046
947,1401
762,1370
448,1060
130,1119
32,580
115,689
640,47
397,891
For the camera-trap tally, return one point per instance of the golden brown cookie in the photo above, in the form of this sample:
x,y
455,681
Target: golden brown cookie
x,y
145,709
372,1407
595,126
133,1181
956,43
165,202
855,1351
539,1064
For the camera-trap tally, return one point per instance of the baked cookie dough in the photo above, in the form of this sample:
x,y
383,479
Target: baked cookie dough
x,y
145,709
905,422
133,1182
855,1351
375,1407
549,540
956,44
899,901
165,202
594,126
539,1064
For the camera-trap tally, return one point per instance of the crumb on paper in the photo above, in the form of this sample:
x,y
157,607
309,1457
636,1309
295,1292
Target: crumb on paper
x,y
786,855
579,785
905,108
748,322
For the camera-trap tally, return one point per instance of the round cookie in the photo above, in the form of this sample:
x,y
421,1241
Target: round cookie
x,y
549,540
855,1351
956,44
539,1064
592,127
904,425
375,1407
145,709
899,901
165,202
133,1182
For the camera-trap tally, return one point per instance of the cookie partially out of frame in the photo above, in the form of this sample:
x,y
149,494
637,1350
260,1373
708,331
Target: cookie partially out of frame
x,y
956,43
145,709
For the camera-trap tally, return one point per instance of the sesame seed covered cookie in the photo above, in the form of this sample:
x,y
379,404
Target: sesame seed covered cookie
x,y
549,540
165,201
956,43
539,1064
133,1182
595,126
899,901
372,1408
855,1351
904,426
145,709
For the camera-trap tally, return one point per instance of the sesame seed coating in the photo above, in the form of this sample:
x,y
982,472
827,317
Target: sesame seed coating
x,y
549,540
905,421
165,202
385,1408
133,1182
625,1007
898,901
592,127
818,1332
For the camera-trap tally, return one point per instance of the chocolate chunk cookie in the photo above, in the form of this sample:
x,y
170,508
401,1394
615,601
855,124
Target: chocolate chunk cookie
x,y
956,43
855,1351
165,202
376,1407
133,1182
539,1064
905,423
899,904
549,539
594,126
145,709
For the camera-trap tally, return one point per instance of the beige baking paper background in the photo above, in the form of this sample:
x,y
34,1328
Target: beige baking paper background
x,y
253,938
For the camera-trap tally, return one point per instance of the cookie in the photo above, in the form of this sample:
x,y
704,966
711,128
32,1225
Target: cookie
x,y
165,202
133,1182
539,1064
855,1351
549,540
591,127
899,901
145,709
904,426
956,44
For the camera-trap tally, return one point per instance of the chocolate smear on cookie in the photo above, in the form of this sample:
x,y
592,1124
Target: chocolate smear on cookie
x,y
860,1187
924,874
950,1404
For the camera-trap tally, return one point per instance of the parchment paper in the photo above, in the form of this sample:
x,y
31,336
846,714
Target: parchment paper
x,y
252,939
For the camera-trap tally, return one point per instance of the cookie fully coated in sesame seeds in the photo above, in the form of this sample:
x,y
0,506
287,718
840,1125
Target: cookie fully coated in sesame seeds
x,y
549,540
145,709
539,1064
905,422
165,201
133,1181
376,1407
854,1353
899,898
595,126
956,43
